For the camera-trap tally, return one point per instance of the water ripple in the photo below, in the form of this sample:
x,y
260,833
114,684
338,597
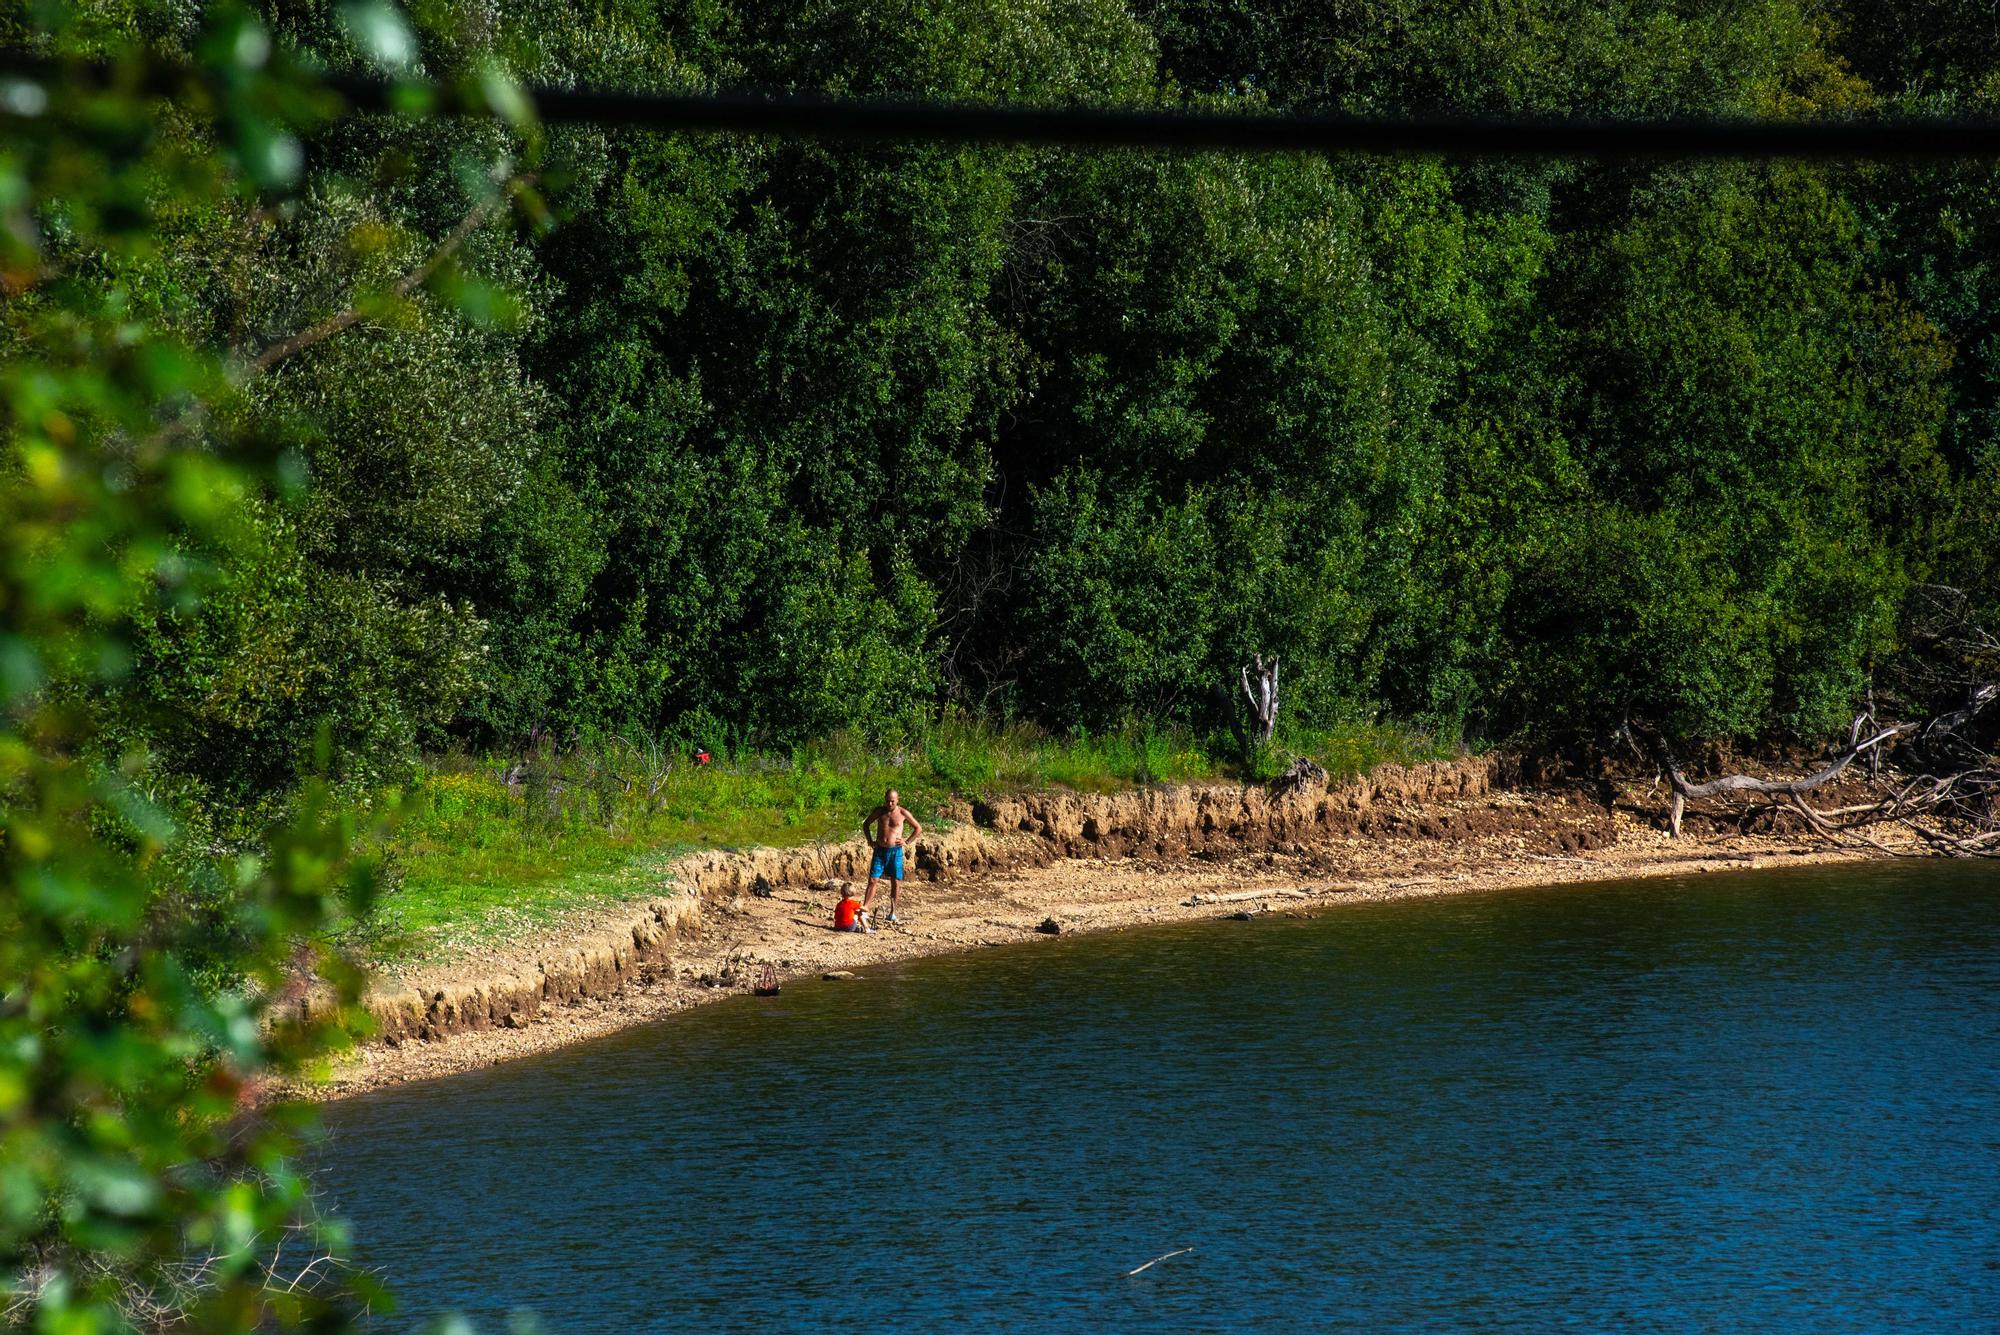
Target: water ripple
x,y
1765,1102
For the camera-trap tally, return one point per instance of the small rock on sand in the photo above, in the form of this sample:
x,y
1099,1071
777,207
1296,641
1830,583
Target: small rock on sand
x,y
1050,927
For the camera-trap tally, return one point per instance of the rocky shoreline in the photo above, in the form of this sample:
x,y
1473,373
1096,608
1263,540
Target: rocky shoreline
x,y
1007,871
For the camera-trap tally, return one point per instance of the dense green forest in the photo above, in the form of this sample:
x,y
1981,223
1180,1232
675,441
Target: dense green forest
x,y
744,442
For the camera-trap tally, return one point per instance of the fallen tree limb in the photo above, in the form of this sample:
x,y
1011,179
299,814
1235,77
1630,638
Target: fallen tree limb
x,y
1951,806
1243,895
1682,791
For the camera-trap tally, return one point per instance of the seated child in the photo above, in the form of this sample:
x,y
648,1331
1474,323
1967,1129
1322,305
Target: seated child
x,y
848,915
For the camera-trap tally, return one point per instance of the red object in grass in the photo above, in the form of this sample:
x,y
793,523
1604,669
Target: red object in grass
x,y
701,756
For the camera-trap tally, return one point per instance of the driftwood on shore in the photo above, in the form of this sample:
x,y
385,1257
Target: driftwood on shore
x,y
1946,799
1936,783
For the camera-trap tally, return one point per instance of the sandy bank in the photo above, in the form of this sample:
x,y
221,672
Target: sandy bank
x,y
1089,863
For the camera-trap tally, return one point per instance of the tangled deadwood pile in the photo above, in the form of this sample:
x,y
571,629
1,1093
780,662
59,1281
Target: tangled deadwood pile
x,y
1930,787
1951,808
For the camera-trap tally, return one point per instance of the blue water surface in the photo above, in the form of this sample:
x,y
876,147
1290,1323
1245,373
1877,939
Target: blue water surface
x,y
1756,1102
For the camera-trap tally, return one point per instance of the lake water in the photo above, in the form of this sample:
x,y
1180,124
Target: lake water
x,y
1757,1102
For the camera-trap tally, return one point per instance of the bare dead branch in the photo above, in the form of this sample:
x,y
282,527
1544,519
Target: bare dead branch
x,y
1682,792
1953,811
1262,695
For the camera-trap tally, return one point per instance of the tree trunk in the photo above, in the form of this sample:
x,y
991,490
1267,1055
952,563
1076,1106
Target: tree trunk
x,y
1260,687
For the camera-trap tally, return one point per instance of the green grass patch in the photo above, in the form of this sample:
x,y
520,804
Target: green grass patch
x,y
493,847
1349,751
448,902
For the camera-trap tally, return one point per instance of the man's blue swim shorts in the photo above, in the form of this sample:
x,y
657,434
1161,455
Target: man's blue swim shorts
x,y
888,862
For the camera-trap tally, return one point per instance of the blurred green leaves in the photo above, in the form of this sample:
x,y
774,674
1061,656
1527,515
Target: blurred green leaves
x,y
159,952
381,33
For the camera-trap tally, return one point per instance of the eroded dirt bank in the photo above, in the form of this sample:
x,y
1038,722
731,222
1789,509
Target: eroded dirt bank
x,y
1001,872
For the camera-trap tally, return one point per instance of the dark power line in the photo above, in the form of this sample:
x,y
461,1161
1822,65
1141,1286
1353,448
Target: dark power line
x,y
817,116
813,115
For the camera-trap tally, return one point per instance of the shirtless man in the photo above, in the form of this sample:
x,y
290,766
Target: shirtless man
x,y
889,838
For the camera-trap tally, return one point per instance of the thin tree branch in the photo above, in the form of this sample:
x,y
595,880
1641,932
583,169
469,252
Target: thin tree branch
x,y
475,219
402,287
